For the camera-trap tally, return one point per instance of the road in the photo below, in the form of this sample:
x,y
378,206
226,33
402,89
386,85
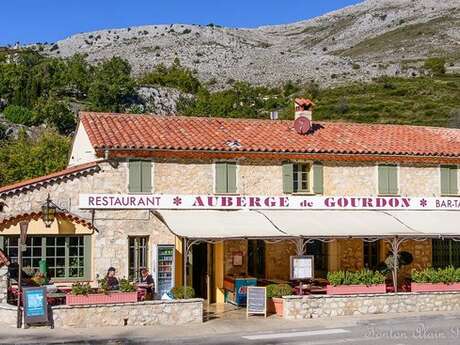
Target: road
x,y
432,330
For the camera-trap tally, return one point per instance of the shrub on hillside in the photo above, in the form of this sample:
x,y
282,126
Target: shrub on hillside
x,y
436,65
18,114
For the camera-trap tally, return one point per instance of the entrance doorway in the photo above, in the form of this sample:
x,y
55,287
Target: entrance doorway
x,y
200,270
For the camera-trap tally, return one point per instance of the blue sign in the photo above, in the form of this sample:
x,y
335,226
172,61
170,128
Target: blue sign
x,y
35,305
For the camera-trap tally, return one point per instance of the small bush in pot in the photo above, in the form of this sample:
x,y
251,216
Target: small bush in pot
x,y
79,289
182,292
126,285
275,292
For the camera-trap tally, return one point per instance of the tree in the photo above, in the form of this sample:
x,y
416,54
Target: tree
x,y
27,158
454,118
112,87
436,65
55,113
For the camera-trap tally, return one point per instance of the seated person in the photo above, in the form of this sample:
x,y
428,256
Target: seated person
x,y
13,269
112,281
146,282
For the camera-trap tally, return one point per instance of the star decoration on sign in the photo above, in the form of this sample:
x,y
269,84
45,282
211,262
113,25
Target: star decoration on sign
x,y
423,203
177,201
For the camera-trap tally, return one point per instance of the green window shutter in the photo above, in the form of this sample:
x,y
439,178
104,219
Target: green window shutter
x,y
135,176
453,180
392,179
449,182
221,177
288,179
146,176
87,257
231,177
2,243
318,178
383,179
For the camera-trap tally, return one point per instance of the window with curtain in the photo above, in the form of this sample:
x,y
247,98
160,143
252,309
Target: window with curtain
x,y
67,257
449,180
138,255
301,177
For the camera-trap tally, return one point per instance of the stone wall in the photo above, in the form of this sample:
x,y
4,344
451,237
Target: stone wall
x,y
3,285
149,313
307,307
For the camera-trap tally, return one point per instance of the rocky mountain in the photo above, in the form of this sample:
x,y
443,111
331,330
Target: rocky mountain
x,y
373,38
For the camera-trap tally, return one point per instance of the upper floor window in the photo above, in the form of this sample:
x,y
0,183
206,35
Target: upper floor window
x,y
140,176
300,177
225,180
388,179
449,180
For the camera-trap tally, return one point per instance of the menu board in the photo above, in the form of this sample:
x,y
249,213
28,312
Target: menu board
x,y
256,300
302,267
35,305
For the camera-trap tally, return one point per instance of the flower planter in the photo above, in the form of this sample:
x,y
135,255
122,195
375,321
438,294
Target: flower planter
x,y
355,289
99,298
434,287
275,305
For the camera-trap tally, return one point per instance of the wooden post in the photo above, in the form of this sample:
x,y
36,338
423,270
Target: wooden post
x,y
22,242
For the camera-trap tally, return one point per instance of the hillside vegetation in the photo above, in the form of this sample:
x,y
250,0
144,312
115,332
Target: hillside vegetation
x,y
43,91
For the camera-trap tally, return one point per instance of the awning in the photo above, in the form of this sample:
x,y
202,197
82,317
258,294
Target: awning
x,y
212,224
431,223
339,223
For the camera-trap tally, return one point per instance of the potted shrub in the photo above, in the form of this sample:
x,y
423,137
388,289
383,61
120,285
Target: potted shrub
x,y
82,293
181,292
360,282
436,280
275,292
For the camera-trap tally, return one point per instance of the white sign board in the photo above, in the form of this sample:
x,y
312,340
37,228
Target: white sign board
x,y
302,267
256,300
279,202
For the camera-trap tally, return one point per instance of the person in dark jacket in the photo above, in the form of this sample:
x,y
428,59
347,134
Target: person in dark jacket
x,y
112,281
146,281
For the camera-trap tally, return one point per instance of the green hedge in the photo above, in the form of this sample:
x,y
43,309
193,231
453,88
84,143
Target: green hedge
x,y
278,290
363,277
440,275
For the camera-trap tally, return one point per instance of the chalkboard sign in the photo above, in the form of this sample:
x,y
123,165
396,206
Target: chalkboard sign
x,y
256,300
302,267
35,305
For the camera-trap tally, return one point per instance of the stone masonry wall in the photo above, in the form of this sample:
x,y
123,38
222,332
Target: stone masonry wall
x,y
8,315
307,307
149,313
3,285
110,244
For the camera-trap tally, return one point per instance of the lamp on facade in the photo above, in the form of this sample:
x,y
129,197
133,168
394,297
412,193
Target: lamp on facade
x,y
48,212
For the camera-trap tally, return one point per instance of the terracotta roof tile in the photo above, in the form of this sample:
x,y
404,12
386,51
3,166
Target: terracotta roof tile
x,y
128,131
41,180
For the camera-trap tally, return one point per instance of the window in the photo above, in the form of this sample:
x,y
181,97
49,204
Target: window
x,y
225,177
388,179
371,254
67,257
446,253
449,180
319,250
138,255
256,258
302,177
140,176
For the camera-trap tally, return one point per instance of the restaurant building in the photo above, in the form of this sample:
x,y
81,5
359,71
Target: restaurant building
x,y
237,195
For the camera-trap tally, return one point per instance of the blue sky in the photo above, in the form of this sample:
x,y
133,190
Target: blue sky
x,y
29,21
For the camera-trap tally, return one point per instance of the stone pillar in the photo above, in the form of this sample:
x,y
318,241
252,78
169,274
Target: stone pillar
x,y
3,284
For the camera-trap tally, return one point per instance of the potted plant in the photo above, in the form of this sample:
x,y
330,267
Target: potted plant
x,y
82,293
275,292
360,282
181,292
436,280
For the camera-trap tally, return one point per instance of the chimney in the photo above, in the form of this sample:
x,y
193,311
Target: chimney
x,y
303,108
